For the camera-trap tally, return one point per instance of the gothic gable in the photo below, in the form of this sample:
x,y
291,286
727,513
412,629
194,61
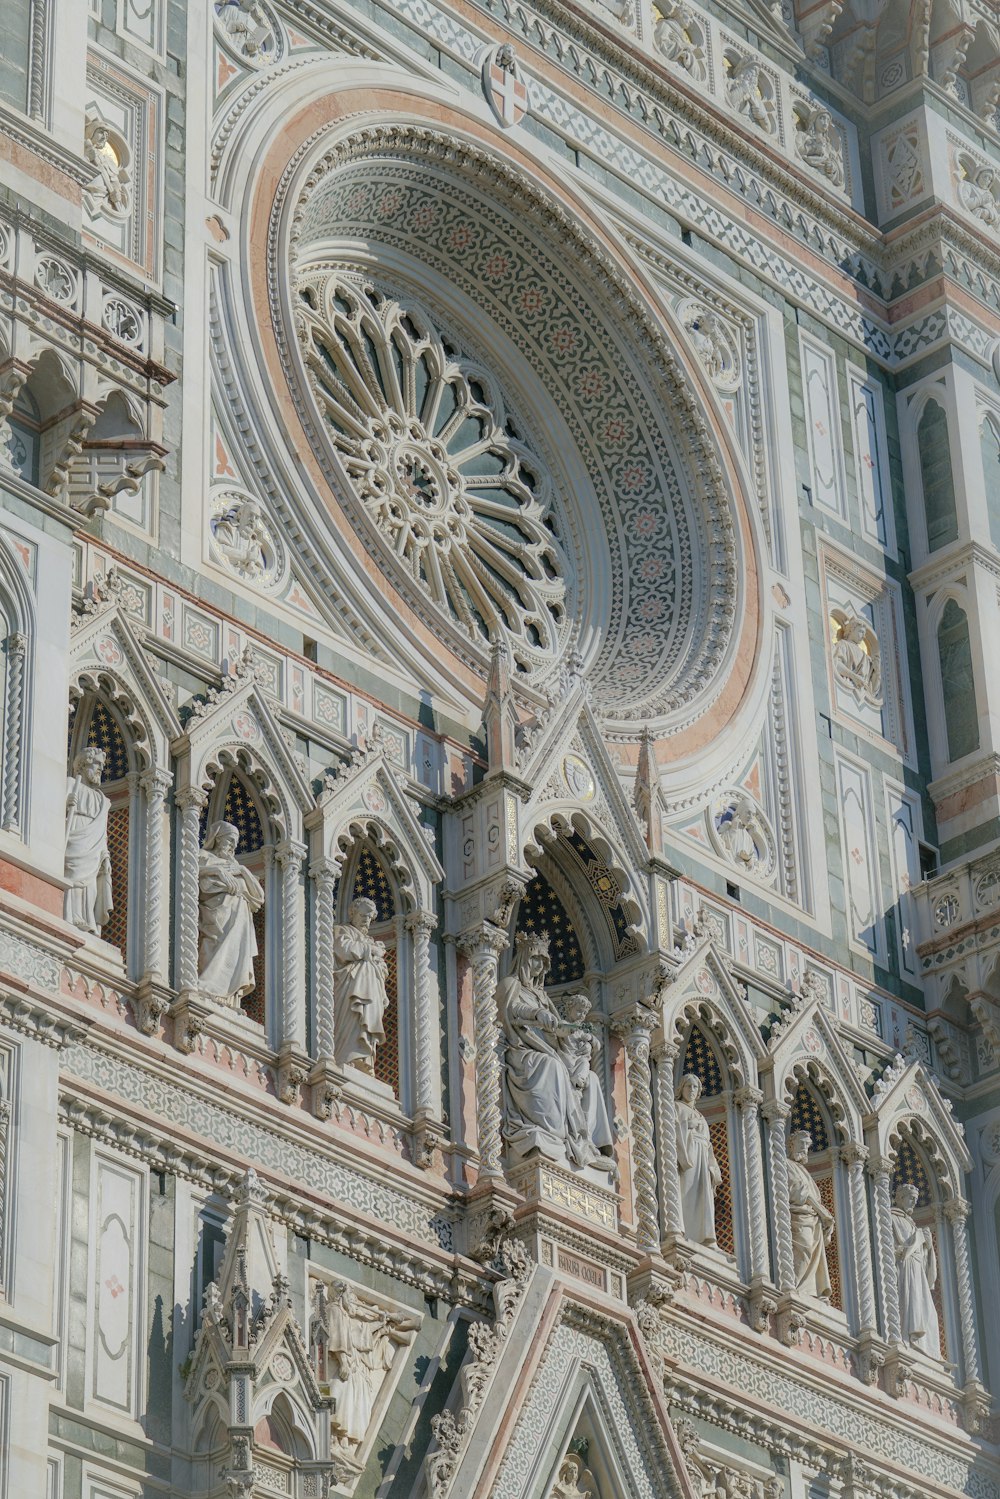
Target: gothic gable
x,y
105,654
907,1092
702,988
807,1037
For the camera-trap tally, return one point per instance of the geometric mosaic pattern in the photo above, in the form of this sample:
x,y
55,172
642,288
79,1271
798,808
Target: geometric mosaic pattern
x,y
387,1056
724,1230
606,888
542,912
826,1192
252,1004
115,930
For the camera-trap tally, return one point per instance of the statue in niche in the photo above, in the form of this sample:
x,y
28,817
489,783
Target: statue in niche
x,y
359,993
750,93
856,658
229,896
87,901
239,536
581,1051
699,1171
247,28
546,1112
916,1274
361,1344
818,144
812,1221
736,832
107,153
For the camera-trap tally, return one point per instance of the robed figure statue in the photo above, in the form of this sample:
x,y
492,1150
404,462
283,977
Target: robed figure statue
x,y
916,1274
228,898
359,988
698,1170
87,900
812,1221
547,1111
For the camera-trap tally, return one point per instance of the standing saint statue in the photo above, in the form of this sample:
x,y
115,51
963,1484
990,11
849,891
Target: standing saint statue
x,y
87,900
545,1111
916,1274
362,1340
229,896
581,1051
359,993
812,1221
699,1171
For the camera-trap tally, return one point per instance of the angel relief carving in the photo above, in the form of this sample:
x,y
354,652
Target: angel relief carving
x,y
681,37
354,1343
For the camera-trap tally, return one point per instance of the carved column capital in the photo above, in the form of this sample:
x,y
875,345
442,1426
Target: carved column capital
x,y
665,1051
775,1112
191,797
879,1167
748,1097
853,1154
634,1026
17,643
482,941
289,853
956,1210
417,922
155,783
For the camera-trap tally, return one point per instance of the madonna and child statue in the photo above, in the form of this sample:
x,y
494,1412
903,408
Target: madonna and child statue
x,y
553,1099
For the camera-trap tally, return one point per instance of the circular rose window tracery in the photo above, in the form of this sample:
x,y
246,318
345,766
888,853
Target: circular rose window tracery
x,y
438,463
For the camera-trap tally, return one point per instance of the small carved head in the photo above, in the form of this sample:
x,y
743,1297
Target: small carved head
x,y
89,764
532,957
362,912
223,838
576,1007
799,1144
907,1196
690,1089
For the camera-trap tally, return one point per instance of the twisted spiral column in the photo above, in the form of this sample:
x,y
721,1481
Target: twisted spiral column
x,y
290,857
665,1102
634,1030
483,947
880,1171
854,1157
748,1100
17,650
154,785
956,1210
323,874
427,1089
190,802
776,1117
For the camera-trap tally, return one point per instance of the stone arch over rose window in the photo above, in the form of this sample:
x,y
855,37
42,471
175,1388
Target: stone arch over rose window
x,y
491,405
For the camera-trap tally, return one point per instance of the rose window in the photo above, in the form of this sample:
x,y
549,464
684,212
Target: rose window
x,y
442,469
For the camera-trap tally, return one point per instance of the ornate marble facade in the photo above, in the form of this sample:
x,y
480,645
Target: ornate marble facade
x,y
499,869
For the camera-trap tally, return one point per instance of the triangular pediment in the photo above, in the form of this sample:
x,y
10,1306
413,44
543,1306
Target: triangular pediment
x,y
236,721
809,1033
591,1369
105,650
702,988
908,1091
368,792
570,771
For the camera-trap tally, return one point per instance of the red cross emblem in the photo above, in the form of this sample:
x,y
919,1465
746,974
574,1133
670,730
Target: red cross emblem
x,y
504,86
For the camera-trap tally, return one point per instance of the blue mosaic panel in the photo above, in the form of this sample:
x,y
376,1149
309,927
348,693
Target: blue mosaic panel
x,y
371,881
543,913
700,1059
239,809
103,731
910,1168
807,1113
606,888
